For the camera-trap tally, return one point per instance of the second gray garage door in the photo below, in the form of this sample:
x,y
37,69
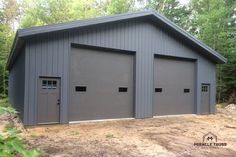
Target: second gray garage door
x,y
101,85
174,91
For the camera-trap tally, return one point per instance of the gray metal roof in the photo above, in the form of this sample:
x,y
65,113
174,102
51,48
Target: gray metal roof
x,y
22,34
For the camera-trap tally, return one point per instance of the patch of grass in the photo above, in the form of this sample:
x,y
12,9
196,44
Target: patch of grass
x,y
4,103
5,107
222,105
74,133
33,135
110,136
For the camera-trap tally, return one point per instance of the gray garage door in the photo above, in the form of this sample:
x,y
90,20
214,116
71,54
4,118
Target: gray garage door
x,y
174,81
101,85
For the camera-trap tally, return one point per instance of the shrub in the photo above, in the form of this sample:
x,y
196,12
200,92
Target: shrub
x,y
11,144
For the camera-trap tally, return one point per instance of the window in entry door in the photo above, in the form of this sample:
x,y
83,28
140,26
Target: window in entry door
x,y
204,88
49,84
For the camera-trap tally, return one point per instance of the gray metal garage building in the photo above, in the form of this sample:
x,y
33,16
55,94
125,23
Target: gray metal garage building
x,y
129,65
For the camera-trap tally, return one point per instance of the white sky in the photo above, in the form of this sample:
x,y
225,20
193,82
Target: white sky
x,y
183,1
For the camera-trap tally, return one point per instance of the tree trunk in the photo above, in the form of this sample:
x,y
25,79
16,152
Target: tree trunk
x,y
4,82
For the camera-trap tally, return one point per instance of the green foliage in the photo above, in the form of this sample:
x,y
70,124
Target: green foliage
x,y
86,9
211,18
226,88
214,23
119,6
7,110
5,107
172,9
42,12
4,102
7,18
5,44
11,145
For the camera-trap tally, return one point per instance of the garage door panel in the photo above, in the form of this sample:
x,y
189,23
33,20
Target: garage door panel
x,y
173,76
102,73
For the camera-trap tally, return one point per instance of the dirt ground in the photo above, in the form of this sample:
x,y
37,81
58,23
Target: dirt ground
x,y
171,136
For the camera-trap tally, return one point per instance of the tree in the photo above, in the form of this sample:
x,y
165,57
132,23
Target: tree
x,y
9,14
43,12
214,23
119,6
5,44
179,14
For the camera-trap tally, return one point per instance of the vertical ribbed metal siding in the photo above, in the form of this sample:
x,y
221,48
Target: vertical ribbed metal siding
x,y
46,56
16,85
132,36
49,56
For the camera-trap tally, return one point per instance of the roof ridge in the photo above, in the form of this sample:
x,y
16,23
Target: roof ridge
x,y
189,35
21,33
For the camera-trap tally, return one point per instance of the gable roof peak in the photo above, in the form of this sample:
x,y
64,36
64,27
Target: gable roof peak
x,y
22,34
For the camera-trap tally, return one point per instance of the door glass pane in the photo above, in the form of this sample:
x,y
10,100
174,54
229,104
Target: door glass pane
x,y
44,84
49,84
54,84
205,88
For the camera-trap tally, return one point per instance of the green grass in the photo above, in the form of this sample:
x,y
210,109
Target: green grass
x,y
5,107
74,133
110,136
4,102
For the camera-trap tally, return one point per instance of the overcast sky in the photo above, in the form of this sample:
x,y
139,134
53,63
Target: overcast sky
x,y
183,1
